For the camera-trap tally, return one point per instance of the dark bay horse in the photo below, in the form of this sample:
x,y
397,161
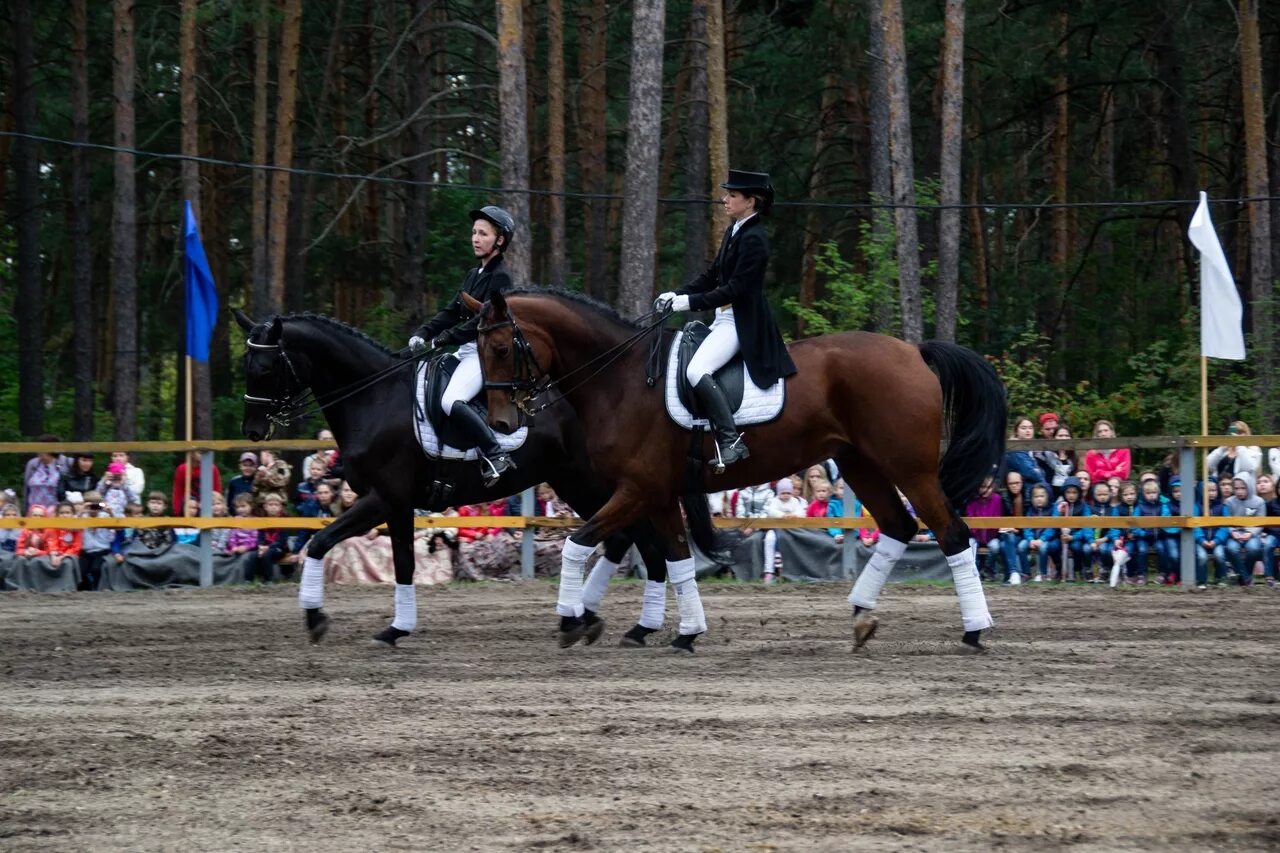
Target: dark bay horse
x,y
877,405
386,467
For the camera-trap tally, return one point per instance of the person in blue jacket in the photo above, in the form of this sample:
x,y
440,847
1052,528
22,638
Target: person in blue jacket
x,y
1044,541
1075,539
1097,540
1210,541
1163,541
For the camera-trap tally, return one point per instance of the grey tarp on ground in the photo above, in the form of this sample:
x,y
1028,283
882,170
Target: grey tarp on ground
x,y
813,555
174,566
38,574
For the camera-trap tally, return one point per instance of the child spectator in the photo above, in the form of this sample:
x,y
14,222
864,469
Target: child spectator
x,y
1041,542
817,507
218,536
315,476
33,541
96,544
987,503
323,456
242,483
134,478
1163,540
1232,459
64,544
155,538
813,475
753,501
189,535
1086,482
273,543
1075,541
1097,555
835,509
9,536
1105,464
1244,545
1022,461
180,479
115,489
784,504
240,540
1271,535
126,536
1210,541
79,479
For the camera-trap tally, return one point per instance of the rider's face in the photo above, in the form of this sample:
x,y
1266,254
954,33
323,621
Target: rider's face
x,y
484,238
737,205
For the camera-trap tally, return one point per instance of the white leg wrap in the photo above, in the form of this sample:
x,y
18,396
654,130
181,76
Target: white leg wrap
x,y
597,582
866,589
311,589
573,563
688,601
973,601
406,607
1117,566
654,610
770,550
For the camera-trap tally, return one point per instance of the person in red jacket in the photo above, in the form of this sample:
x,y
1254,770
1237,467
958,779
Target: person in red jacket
x,y
180,479
1102,465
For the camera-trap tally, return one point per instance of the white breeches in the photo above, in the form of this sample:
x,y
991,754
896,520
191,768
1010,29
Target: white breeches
x,y
714,352
466,381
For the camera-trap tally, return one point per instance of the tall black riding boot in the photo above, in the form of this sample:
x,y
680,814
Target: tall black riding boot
x,y
715,408
493,461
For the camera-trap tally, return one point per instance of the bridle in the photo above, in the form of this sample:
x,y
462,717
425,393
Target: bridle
x,y
529,381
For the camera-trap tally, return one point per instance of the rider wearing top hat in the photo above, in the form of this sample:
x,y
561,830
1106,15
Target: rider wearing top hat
x,y
491,231
734,286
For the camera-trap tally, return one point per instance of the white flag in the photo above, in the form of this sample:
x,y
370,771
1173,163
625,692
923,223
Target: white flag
x,y
1221,314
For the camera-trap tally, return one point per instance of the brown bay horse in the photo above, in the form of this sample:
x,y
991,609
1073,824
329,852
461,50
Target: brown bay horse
x,y
875,404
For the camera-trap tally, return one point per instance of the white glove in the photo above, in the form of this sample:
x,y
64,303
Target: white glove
x,y
417,344
680,303
664,300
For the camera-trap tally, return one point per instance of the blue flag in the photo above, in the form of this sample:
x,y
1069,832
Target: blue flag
x,y
202,296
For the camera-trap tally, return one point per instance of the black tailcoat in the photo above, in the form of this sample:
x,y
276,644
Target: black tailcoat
x,y
736,277
454,318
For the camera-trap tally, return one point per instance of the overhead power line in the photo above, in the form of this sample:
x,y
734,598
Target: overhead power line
x,y
830,205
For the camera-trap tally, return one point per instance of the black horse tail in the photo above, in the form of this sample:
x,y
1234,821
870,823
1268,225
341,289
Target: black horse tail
x,y
975,411
711,542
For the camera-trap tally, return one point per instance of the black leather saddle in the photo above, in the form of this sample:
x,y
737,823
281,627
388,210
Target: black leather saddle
x,y
729,377
439,371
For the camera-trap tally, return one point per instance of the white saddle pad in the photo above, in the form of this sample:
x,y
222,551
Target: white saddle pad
x,y
759,405
431,444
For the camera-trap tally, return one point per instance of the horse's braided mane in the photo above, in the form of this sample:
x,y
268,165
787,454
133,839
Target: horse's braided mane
x,y
578,298
339,326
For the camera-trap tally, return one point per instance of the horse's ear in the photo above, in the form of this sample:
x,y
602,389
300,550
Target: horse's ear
x,y
473,305
242,319
499,303
276,331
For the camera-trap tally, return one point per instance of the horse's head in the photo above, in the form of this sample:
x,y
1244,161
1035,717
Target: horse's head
x,y
271,376
507,358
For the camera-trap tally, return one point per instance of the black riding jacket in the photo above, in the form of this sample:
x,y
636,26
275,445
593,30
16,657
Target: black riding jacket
x,y
454,324
736,277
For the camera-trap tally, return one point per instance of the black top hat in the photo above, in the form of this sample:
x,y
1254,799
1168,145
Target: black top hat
x,y
751,182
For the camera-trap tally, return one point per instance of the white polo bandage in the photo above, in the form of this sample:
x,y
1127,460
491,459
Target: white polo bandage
x,y
573,563
866,589
311,589
973,601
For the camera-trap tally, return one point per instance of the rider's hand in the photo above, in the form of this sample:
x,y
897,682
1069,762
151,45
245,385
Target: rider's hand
x,y
417,344
664,300
680,303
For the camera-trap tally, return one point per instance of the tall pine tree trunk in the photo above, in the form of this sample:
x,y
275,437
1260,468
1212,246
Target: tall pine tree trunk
x,y
949,168
718,110
880,168
282,181
1261,286
1060,217
903,171
592,143
696,151
81,230
30,294
514,129
558,263
190,114
124,228
260,298
414,232
640,197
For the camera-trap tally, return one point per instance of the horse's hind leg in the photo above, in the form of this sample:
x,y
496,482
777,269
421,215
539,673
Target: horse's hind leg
x,y
879,496
400,524
367,512
620,510
654,603
925,492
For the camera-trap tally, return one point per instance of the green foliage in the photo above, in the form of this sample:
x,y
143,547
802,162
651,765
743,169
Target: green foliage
x,y
851,295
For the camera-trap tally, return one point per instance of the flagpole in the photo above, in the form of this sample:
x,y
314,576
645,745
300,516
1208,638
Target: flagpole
x,y
186,491
1204,431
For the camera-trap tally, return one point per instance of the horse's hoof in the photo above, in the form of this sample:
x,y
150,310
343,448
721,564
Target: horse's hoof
x,y
684,643
572,629
864,628
317,624
634,639
971,643
387,637
595,628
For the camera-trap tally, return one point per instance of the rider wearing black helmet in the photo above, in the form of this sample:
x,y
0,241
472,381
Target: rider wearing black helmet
x,y
491,231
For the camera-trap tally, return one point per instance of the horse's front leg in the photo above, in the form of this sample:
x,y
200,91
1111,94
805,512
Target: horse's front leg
x,y
400,524
620,510
367,512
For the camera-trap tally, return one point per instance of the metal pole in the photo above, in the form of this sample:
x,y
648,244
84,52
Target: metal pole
x,y
850,534
206,511
526,538
1186,507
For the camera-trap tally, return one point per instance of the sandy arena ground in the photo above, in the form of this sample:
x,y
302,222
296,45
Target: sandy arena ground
x,y
203,721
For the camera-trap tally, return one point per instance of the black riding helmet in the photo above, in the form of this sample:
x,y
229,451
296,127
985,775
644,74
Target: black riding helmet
x,y
500,219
